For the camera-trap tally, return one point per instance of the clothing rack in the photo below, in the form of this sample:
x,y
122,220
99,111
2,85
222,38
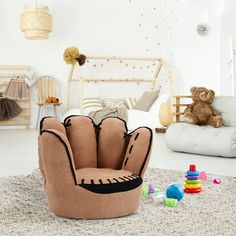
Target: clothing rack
x,y
8,72
81,79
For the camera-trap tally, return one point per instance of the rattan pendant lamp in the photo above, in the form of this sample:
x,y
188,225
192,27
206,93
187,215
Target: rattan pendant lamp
x,y
35,21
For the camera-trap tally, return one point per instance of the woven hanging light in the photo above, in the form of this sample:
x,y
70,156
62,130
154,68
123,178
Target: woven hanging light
x,y
36,22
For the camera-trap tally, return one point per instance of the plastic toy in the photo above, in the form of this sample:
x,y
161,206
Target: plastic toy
x,y
192,177
203,175
188,181
192,183
175,191
158,197
216,181
192,190
144,191
171,202
151,189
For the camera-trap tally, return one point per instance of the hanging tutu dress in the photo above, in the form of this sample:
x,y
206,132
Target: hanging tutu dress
x,y
8,108
17,90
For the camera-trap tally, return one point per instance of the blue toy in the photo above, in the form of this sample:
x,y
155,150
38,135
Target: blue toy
x,y
175,191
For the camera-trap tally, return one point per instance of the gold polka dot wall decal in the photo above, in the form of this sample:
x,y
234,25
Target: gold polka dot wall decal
x,y
146,37
141,67
108,60
94,65
87,61
147,50
148,66
126,65
121,61
101,65
139,25
134,67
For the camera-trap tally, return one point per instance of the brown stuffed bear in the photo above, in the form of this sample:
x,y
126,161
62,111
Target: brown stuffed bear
x,y
201,111
52,100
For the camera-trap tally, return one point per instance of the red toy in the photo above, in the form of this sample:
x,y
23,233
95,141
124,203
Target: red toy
x,y
192,182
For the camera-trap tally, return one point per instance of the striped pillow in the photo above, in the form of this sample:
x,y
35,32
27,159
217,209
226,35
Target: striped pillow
x,y
92,104
130,102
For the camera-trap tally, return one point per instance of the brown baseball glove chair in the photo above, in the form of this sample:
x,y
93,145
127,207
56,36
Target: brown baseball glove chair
x,y
92,171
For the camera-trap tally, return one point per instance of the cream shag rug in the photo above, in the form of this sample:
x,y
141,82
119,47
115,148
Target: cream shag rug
x,y
24,211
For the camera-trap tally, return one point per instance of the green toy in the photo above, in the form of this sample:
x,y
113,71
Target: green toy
x,y
171,202
145,190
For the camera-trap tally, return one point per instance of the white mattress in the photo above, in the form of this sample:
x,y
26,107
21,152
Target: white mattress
x,y
136,118
205,140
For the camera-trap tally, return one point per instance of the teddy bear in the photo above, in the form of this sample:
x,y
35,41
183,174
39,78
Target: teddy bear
x,y
53,100
201,111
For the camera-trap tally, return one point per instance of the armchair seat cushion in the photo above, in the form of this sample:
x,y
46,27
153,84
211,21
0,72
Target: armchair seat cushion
x,y
105,180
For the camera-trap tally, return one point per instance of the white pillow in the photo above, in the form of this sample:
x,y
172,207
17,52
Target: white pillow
x,y
114,102
155,108
226,105
137,118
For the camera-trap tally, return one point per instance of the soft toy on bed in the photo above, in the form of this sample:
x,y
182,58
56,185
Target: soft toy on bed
x,y
201,111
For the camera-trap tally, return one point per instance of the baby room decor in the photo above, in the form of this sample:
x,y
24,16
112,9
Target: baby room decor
x,y
36,22
83,181
14,95
201,111
72,55
192,183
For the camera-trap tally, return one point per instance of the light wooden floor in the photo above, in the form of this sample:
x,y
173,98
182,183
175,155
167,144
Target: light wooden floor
x,y
19,155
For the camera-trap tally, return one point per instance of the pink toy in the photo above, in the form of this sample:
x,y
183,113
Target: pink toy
x,y
216,181
203,175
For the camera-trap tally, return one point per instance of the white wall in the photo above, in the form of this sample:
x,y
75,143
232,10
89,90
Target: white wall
x,y
164,28
228,30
